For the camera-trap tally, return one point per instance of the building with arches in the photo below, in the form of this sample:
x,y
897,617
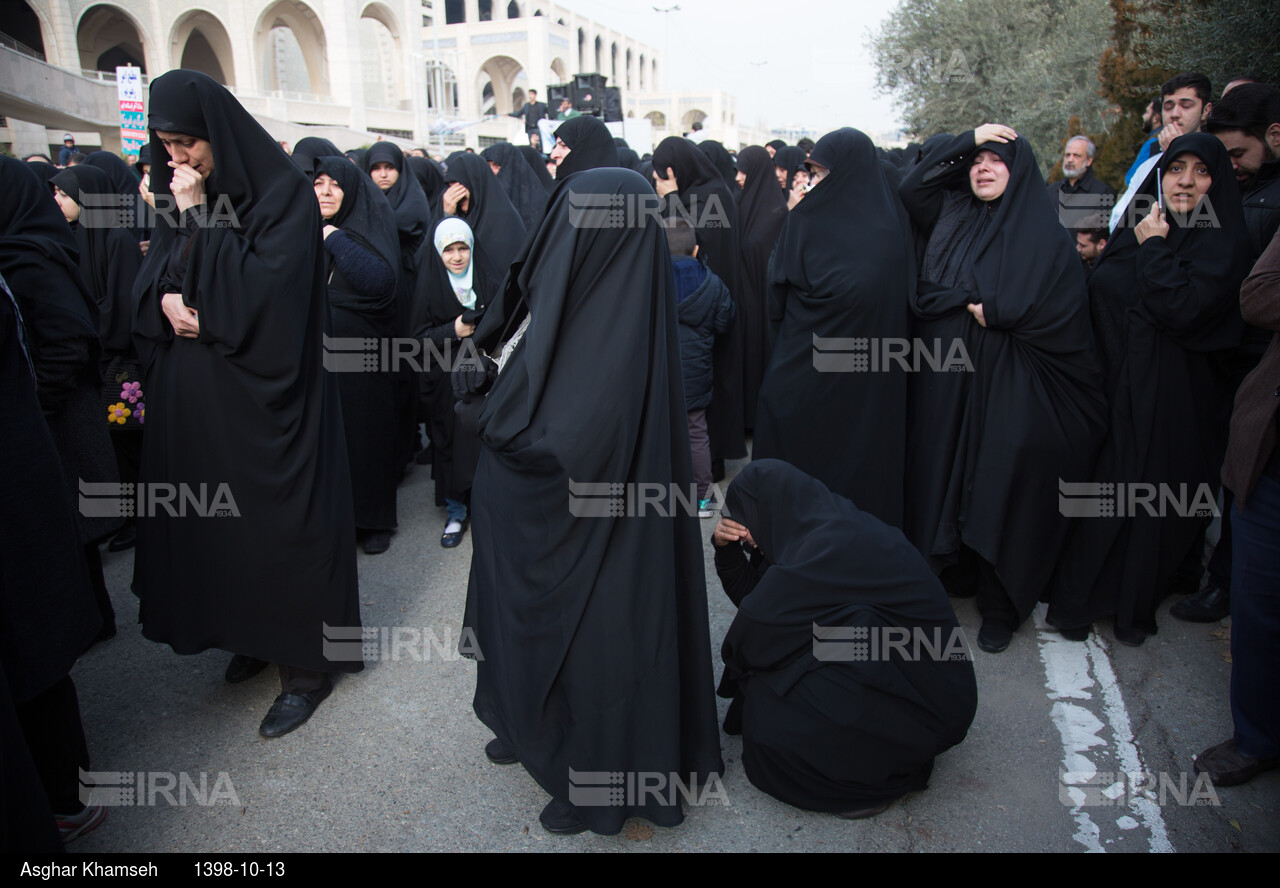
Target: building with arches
x,y
347,69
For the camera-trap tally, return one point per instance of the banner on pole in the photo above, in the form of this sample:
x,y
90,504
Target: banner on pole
x,y
133,127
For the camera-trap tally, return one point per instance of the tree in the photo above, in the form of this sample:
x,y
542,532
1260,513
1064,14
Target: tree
x,y
955,64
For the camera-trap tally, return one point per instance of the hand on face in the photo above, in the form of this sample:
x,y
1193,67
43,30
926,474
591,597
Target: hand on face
x,y
187,186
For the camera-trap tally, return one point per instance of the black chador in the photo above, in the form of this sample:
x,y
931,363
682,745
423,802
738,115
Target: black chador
x,y
842,422
761,211
832,720
1162,308
246,407
989,442
705,200
593,631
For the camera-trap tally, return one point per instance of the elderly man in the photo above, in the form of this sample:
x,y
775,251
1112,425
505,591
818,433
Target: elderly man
x,y
1081,199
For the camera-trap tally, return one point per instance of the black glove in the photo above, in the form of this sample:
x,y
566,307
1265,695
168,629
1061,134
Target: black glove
x,y
473,376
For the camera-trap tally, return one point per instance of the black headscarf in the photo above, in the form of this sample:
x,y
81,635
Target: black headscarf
x,y
987,448
365,216
248,403
590,146
356,156
628,159
720,157
522,187
711,207
428,174
761,212
40,261
847,732
408,200
46,171
537,162
1162,309
109,255
592,392
125,183
822,288
776,145
497,225
791,159
144,158
305,152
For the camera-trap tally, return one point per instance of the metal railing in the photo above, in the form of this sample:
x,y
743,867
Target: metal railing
x,y
16,44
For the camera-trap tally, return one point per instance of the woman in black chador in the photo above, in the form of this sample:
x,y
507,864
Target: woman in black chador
x,y
844,425
1165,297
522,186
362,253
1017,406
834,719
109,263
230,315
592,631
761,212
472,192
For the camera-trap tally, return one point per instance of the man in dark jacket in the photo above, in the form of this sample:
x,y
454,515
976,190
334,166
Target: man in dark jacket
x,y
532,112
704,309
1082,201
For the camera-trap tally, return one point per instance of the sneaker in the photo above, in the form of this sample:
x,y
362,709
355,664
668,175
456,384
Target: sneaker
x,y
704,509
73,826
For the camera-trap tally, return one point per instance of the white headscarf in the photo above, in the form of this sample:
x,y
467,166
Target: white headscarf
x,y
453,230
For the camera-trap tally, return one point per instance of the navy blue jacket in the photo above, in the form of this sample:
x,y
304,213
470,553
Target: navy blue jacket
x,y
704,309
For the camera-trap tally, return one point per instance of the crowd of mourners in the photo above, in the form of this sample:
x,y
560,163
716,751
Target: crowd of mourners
x,y
927,353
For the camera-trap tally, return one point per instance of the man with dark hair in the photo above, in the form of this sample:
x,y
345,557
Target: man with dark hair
x,y
532,112
1247,122
1239,80
806,145
1185,103
1090,242
1082,200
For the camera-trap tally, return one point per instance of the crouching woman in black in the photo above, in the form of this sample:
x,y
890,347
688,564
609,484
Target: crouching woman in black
x,y
833,716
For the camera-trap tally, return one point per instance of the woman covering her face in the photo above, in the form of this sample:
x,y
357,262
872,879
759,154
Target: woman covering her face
x,y
231,312
1165,297
1012,401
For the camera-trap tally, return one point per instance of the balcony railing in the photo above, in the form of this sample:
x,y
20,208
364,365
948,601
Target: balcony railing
x,y
16,44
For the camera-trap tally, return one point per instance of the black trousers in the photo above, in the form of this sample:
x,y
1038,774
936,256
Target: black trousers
x,y
51,724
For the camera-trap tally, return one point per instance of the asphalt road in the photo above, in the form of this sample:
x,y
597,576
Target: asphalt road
x,y
393,760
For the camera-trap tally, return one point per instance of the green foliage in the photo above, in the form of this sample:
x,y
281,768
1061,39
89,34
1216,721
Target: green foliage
x,y
1214,37
956,64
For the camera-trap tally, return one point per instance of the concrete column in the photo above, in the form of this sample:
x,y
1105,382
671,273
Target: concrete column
x,y
61,49
472,10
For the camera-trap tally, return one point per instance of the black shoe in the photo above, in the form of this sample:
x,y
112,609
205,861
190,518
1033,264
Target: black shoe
x,y
561,819
498,753
1081,634
451,540
1132,636
995,635
127,538
1228,766
242,668
291,711
1209,605
377,542
865,812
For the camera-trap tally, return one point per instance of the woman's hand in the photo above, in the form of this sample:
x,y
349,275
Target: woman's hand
x,y
797,194
993,132
330,229
144,188
1152,226
976,310
461,330
187,186
730,531
185,321
453,196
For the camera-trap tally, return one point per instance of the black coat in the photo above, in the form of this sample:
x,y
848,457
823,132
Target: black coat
x,y
704,314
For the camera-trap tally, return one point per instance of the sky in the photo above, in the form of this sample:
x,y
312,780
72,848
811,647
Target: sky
x,y
799,63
